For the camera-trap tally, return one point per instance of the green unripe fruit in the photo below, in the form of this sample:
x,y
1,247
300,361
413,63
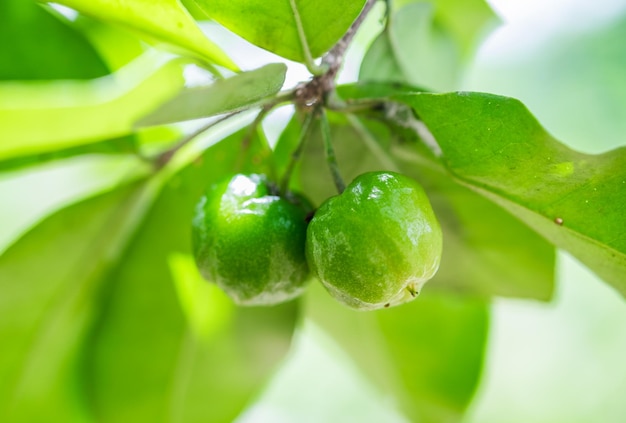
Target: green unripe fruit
x,y
377,243
250,242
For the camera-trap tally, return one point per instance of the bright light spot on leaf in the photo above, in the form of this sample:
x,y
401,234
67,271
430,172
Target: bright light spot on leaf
x,y
562,169
207,309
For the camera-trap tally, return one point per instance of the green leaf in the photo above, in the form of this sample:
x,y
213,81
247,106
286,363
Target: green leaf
x,y
49,280
464,20
56,185
373,91
273,24
116,45
63,53
425,43
195,11
116,146
478,257
494,146
414,50
164,21
241,91
38,117
100,318
428,354
167,347
380,62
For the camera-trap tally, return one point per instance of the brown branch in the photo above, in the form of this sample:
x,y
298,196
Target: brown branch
x,y
317,89
334,58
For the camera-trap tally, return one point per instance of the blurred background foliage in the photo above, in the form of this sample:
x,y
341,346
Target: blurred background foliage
x,y
68,150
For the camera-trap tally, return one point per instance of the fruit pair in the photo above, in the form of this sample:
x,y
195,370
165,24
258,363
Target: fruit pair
x,y
372,246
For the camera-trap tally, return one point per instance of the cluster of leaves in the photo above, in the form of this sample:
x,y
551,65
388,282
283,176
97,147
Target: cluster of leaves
x,y
106,315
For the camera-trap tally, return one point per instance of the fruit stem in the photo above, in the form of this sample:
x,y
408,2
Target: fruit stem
x,y
297,153
331,159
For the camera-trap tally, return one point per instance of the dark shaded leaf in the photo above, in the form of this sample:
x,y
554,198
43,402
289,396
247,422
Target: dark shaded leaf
x,y
63,53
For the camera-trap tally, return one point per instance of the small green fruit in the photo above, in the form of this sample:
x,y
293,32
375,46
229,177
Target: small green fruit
x,y
251,242
377,243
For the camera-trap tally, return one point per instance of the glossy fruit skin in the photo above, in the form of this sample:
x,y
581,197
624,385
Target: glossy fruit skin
x,y
377,243
251,242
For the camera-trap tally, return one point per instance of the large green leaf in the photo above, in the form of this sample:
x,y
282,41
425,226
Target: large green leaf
x,y
106,321
164,21
428,354
116,45
478,256
29,195
273,24
226,95
48,281
116,146
425,42
157,354
62,53
494,146
38,116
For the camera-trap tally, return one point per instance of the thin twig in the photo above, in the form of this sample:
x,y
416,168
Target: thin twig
x,y
334,58
331,159
295,156
321,87
163,158
283,97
